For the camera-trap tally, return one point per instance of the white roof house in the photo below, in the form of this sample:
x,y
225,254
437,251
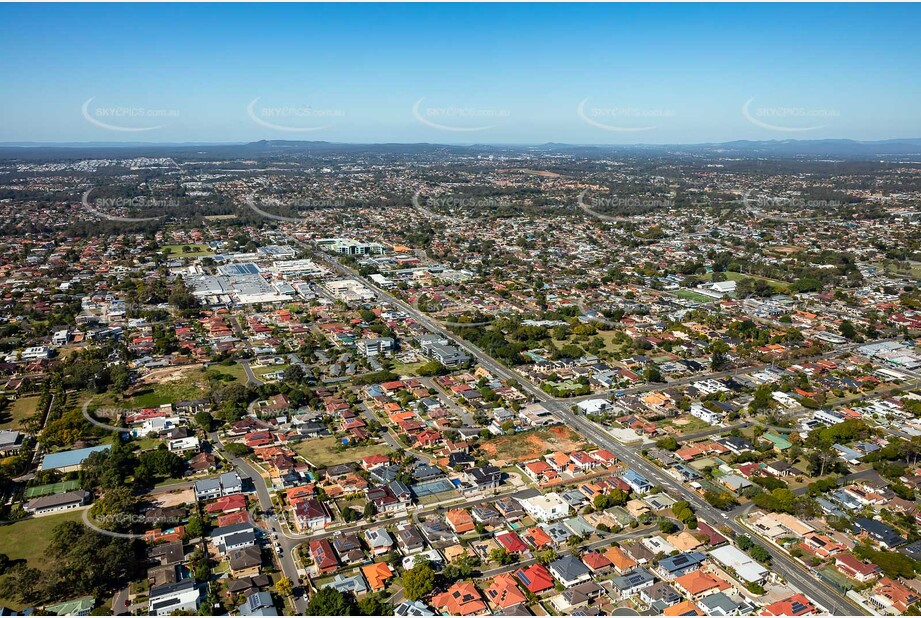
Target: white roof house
x,y
745,567
547,507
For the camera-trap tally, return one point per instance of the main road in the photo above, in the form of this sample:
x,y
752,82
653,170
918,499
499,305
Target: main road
x,y
817,589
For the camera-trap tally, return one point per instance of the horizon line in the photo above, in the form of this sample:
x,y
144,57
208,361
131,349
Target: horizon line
x,y
127,144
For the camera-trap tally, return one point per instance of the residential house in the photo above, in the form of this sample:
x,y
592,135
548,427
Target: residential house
x,y
461,599
183,596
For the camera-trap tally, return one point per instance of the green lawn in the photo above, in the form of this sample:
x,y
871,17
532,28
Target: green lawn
x,y
167,392
839,578
780,286
261,371
17,411
28,539
193,250
693,424
325,452
691,295
406,369
913,271
235,371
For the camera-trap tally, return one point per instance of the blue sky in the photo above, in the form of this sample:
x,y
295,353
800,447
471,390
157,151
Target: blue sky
x,y
451,73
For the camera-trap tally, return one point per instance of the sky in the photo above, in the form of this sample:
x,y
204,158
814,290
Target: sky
x,y
459,73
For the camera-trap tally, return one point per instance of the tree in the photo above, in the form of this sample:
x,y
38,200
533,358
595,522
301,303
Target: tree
x,y
547,556
85,562
116,510
294,374
669,443
652,374
432,368
760,554
373,605
237,449
502,557
21,583
330,602
196,527
204,420
417,582
284,587
722,500
847,330
666,526
718,357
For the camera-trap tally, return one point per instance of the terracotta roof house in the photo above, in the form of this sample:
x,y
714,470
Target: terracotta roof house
x,y
697,584
377,574
620,561
503,592
536,578
323,556
511,542
597,562
796,605
856,569
461,599
685,608
889,595
460,520
537,538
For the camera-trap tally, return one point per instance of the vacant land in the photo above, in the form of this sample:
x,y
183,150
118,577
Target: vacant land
x,y
532,444
234,371
167,386
329,451
159,394
406,369
17,411
687,424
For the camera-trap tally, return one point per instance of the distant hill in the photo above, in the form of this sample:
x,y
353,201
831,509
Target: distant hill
x,y
785,149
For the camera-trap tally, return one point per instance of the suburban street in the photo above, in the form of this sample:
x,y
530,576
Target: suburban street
x,y
822,592
288,544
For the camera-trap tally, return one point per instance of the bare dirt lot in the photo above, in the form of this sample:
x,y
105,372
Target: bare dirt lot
x,y
532,444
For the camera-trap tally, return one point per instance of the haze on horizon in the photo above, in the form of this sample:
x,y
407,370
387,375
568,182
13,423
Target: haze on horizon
x,y
499,74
